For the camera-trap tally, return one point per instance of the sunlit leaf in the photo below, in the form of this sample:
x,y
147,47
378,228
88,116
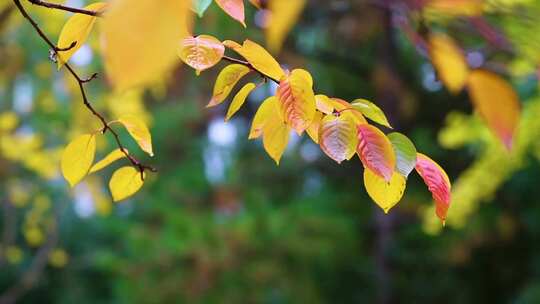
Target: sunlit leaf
x,y
109,159
257,56
497,103
371,111
77,158
283,16
342,106
313,129
200,6
233,8
337,137
437,182
201,52
267,109
139,131
76,30
385,194
140,39
375,151
456,7
449,61
125,182
297,100
239,99
226,81
405,153
324,104
275,137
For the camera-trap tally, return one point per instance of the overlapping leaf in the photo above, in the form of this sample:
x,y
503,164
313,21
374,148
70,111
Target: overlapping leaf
x,y
345,107
139,131
239,99
76,30
233,8
297,100
371,111
375,151
449,62
437,182
200,6
258,57
77,158
109,159
275,137
313,129
125,182
497,103
385,194
267,110
226,81
201,52
405,153
338,137
324,104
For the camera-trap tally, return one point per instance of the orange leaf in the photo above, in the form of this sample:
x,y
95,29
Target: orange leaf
x,y
338,138
449,62
497,103
375,151
437,181
297,100
258,57
201,52
233,8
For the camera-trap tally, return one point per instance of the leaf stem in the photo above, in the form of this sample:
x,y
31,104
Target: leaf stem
x,y
65,8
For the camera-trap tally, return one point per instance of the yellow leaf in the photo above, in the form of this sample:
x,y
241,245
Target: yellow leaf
x,y
201,52
139,131
239,99
275,137
338,137
324,104
226,81
371,111
125,182
140,39
313,129
347,109
456,7
297,100
266,110
77,158
258,57
449,62
283,16
385,194
497,103
109,159
233,8
76,30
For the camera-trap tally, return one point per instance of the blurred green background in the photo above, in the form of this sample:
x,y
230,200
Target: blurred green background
x,y
221,223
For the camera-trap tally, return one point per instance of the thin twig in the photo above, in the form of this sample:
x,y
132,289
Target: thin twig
x,y
81,82
65,8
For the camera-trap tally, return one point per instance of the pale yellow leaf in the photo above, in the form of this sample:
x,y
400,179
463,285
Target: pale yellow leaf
x,y
283,16
201,52
76,30
125,182
226,81
313,129
258,57
140,39
324,104
449,61
239,99
109,159
275,137
267,109
77,158
385,194
139,131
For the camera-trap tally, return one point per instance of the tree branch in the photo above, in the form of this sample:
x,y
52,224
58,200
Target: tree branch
x,y
81,82
64,8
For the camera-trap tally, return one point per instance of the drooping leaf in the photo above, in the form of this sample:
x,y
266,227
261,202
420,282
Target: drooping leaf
x,y
297,100
497,103
201,52
226,81
200,6
383,193
233,8
275,137
405,153
437,182
77,158
449,62
324,104
375,151
139,131
239,99
313,129
109,159
283,16
258,57
256,3
125,182
267,110
140,39
337,137
76,30
342,106
371,111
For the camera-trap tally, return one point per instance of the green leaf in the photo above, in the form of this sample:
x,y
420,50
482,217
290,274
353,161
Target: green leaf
x,y
405,153
371,111
200,6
